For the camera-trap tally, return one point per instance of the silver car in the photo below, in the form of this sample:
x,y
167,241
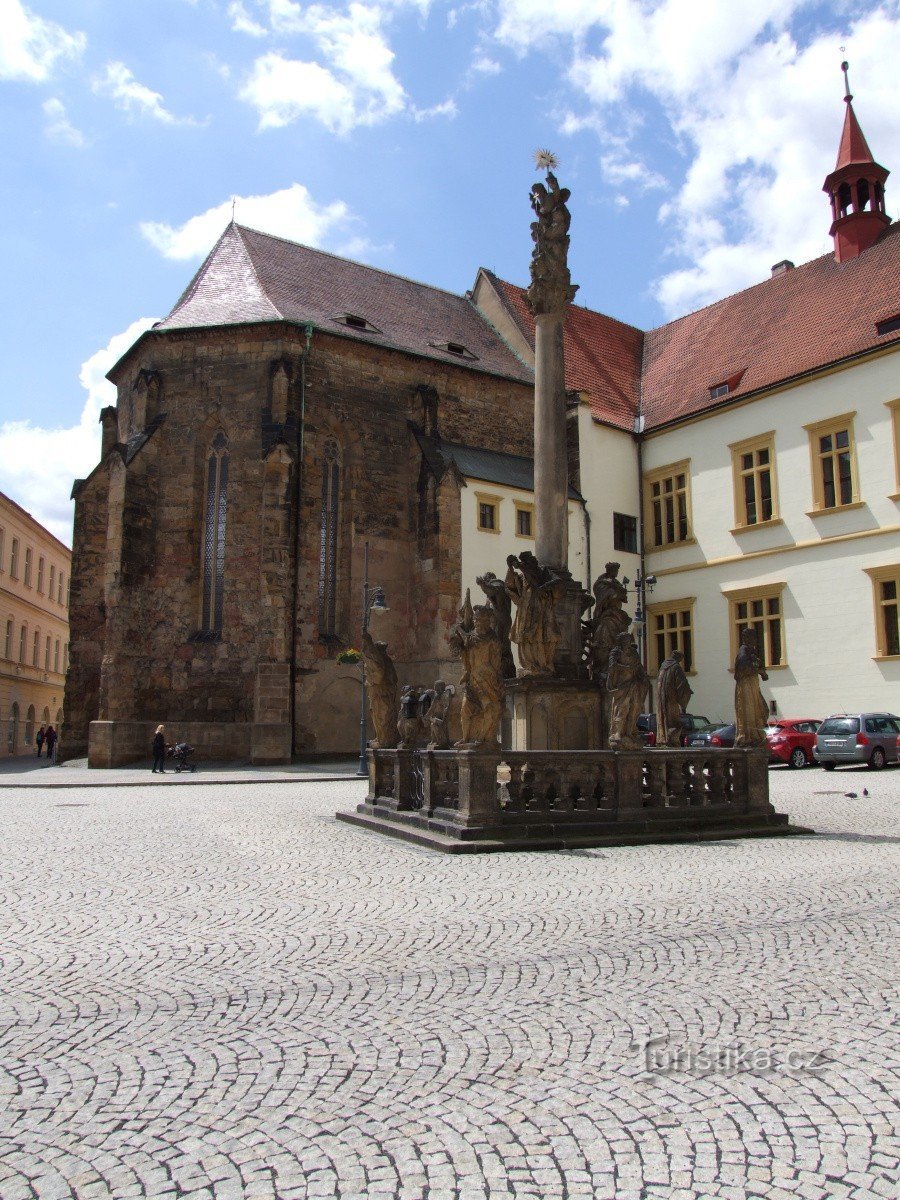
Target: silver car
x,y
872,738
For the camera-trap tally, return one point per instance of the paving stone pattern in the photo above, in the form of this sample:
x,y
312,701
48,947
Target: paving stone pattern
x,y
223,994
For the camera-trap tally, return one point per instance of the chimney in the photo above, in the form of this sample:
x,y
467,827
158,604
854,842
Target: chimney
x,y
109,419
780,267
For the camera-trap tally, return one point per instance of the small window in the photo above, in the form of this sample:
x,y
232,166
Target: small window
x,y
355,321
488,512
625,533
455,348
524,520
888,325
720,389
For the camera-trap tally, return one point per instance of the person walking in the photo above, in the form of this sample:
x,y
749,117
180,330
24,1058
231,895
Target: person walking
x,y
39,738
50,739
159,750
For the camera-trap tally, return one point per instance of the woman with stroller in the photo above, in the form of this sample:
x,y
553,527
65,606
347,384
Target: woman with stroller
x,y
159,750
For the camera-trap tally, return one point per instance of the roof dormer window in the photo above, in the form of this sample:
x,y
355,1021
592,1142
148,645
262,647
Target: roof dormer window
x,y
724,386
355,321
888,325
720,389
455,348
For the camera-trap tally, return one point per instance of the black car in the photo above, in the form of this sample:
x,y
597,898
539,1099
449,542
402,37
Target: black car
x,y
690,724
717,735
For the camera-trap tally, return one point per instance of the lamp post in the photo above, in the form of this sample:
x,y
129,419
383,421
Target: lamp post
x,y
373,602
642,585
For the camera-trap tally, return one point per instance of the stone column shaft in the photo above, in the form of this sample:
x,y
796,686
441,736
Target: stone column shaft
x,y
551,474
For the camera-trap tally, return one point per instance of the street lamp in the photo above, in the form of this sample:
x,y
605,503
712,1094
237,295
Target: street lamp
x,y
373,602
642,585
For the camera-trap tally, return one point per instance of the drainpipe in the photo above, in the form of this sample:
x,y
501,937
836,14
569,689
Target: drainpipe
x,y
587,542
298,495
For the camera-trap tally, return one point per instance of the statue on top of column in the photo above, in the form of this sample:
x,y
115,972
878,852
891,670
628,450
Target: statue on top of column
x,y
551,284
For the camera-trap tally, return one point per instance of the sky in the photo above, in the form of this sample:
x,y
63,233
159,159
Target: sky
x,y
694,135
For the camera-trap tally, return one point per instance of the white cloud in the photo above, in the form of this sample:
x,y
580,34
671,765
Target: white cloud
x,y
356,87
132,97
242,22
290,213
754,110
447,108
30,46
485,65
58,127
39,465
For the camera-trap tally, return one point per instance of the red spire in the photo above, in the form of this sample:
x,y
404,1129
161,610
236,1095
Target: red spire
x,y
853,148
855,188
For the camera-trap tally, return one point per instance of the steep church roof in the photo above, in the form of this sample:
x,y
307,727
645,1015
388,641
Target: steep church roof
x,y
252,277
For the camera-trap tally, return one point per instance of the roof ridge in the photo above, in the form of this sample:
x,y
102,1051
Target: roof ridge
x,y
256,275
354,261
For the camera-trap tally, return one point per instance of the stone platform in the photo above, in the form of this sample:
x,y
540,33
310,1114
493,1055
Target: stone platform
x,y
477,801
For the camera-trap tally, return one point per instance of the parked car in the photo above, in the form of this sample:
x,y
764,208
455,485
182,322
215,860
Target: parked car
x,y
690,723
792,740
716,735
870,738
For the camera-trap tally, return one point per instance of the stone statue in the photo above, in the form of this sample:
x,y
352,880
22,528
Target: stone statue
x,y
551,287
673,692
439,715
534,589
751,711
414,704
381,678
628,682
608,620
499,600
475,640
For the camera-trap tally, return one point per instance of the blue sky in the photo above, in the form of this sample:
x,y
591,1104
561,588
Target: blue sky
x,y
694,135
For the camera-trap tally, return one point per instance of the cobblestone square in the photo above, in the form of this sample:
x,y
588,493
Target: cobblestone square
x,y
221,993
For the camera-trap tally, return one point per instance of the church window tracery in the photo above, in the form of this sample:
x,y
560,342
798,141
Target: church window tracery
x,y
215,510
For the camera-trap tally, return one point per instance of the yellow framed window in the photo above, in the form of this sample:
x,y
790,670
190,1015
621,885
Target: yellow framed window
x,y
833,453
488,512
755,496
524,520
886,596
760,609
670,627
894,406
668,504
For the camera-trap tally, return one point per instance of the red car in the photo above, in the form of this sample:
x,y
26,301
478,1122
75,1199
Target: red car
x,y
792,741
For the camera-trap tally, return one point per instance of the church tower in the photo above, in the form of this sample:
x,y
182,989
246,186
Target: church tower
x,y
855,188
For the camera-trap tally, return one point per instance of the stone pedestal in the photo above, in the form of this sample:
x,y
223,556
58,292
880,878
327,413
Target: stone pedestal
x,y
555,714
569,611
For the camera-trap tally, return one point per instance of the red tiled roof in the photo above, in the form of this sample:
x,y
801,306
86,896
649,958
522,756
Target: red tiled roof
x,y
799,321
251,276
796,322
603,356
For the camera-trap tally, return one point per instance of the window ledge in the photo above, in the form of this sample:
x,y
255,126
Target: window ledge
x,y
759,525
691,541
484,529
894,496
886,658
838,508
526,537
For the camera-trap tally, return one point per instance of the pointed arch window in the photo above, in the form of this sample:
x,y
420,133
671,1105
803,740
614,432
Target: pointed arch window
x,y
328,539
215,511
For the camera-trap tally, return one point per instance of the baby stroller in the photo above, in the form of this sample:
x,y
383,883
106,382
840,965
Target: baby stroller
x,y
181,753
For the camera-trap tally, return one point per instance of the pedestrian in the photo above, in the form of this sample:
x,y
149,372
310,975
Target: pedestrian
x,y
159,750
50,739
40,740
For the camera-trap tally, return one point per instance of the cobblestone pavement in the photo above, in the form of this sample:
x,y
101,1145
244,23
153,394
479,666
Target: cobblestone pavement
x,y
224,994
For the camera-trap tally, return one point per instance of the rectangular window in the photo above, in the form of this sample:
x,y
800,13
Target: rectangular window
x,y
753,467
670,627
760,609
625,533
36,649
14,559
7,652
62,587
894,406
668,516
524,520
56,656
23,642
488,512
52,580
47,655
40,581
886,595
833,453
29,556
2,541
